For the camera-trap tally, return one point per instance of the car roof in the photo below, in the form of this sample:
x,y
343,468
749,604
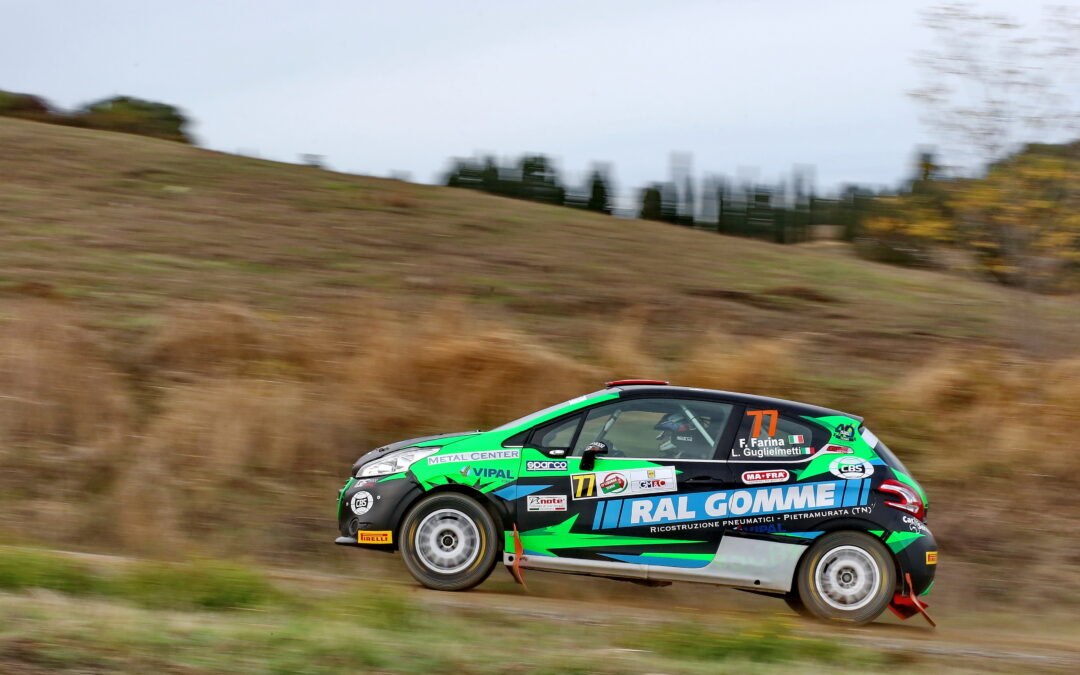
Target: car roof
x,y
668,391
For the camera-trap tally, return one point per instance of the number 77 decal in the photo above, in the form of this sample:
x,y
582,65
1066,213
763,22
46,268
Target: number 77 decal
x,y
758,415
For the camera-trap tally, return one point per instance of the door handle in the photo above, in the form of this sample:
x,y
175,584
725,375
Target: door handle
x,y
704,479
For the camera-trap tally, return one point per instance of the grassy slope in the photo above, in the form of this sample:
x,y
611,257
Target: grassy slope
x,y
119,228
121,225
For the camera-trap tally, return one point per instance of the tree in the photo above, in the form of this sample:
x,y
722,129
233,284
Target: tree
x,y
135,116
26,106
651,203
598,194
1023,219
990,86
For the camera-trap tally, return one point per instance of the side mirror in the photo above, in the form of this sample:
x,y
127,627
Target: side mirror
x,y
589,454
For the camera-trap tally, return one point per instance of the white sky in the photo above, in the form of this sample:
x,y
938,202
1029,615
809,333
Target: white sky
x,y
748,87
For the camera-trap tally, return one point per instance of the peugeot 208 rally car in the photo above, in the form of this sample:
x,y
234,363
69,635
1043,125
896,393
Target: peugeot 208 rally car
x,y
655,483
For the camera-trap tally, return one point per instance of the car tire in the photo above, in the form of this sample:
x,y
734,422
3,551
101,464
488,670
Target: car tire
x,y
846,576
449,542
795,603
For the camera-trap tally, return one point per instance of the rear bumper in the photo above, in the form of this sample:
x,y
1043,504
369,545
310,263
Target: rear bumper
x,y
919,559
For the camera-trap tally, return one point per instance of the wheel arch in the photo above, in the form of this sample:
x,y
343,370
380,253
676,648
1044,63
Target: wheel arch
x,y
498,509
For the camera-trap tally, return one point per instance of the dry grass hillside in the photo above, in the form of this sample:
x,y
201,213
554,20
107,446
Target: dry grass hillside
x,y
194,346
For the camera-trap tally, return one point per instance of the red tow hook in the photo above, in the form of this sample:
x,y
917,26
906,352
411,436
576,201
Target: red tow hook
x,y
905,605
515,569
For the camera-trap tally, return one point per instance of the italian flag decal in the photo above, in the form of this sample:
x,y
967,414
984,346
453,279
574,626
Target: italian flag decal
x,y
796,439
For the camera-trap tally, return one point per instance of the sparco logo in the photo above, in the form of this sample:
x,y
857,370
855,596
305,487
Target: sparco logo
x,y
546,466
761,477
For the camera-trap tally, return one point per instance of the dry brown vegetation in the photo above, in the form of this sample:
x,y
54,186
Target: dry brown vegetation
x,y
196,368
228,433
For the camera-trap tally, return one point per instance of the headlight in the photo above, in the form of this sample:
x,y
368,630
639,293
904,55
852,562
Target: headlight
x,y
395,462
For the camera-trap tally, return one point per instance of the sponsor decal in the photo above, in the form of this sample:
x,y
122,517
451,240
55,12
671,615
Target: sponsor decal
x,y
851,468
758,415
838,449
547,465
931,557
725,504
546,502
374,537
477,456
584,485
601,446
769,528
482,472
761,477
845,432
361,502
915,525
634,481
613,483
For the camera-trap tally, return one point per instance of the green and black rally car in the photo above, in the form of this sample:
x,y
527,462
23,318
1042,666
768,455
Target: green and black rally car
x,y
652,483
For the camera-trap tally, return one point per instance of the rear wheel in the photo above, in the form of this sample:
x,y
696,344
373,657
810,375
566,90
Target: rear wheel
x,y
448,542
846,576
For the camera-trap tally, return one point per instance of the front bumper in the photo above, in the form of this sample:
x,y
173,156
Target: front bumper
x,y
370,511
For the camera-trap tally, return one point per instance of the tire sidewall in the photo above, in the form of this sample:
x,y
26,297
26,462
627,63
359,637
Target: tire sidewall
x,y
810,594
479,569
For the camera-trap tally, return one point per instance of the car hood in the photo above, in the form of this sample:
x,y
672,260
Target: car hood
x,y
398,445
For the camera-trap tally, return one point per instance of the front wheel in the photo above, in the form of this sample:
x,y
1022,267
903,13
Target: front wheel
x,y
448,542
846,576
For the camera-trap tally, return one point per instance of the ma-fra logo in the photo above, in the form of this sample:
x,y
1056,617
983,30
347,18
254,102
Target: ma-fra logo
x,y
762,477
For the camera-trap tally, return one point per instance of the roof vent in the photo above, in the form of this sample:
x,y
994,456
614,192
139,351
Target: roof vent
x,y
623,383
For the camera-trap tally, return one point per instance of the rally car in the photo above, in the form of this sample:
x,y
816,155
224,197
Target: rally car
x,y
653,483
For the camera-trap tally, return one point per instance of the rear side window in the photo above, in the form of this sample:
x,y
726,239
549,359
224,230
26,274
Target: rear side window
x,y
768,435
882,450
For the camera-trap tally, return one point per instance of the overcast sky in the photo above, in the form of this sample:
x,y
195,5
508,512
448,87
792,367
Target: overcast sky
x,y
749,87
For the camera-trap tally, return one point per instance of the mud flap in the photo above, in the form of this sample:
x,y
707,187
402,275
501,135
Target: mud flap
x,y
515,569
906,605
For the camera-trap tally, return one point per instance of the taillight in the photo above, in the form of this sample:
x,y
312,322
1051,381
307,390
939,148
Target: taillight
x,y
909,502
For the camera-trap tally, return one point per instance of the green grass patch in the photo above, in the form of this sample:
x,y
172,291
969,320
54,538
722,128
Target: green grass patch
x,y
28,568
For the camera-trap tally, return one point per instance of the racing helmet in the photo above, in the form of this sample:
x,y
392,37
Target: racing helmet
x,y
678,437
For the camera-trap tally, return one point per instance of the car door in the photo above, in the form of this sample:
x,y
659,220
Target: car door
x,y
632,506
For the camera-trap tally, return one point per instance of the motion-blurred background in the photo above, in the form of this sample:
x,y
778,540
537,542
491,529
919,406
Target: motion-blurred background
x,y
211,303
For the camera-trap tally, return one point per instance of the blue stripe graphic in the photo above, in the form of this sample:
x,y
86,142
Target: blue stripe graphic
x,y
611,517
658,560
724,504
598,516
513,492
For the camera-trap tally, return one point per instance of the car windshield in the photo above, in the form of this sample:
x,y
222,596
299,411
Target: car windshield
x,y
532,417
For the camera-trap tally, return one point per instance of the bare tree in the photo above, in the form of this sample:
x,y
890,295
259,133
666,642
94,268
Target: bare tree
x,y
991,84
990,87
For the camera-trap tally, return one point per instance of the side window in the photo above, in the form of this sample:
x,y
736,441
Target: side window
x,y
767,435
558,434
656,428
